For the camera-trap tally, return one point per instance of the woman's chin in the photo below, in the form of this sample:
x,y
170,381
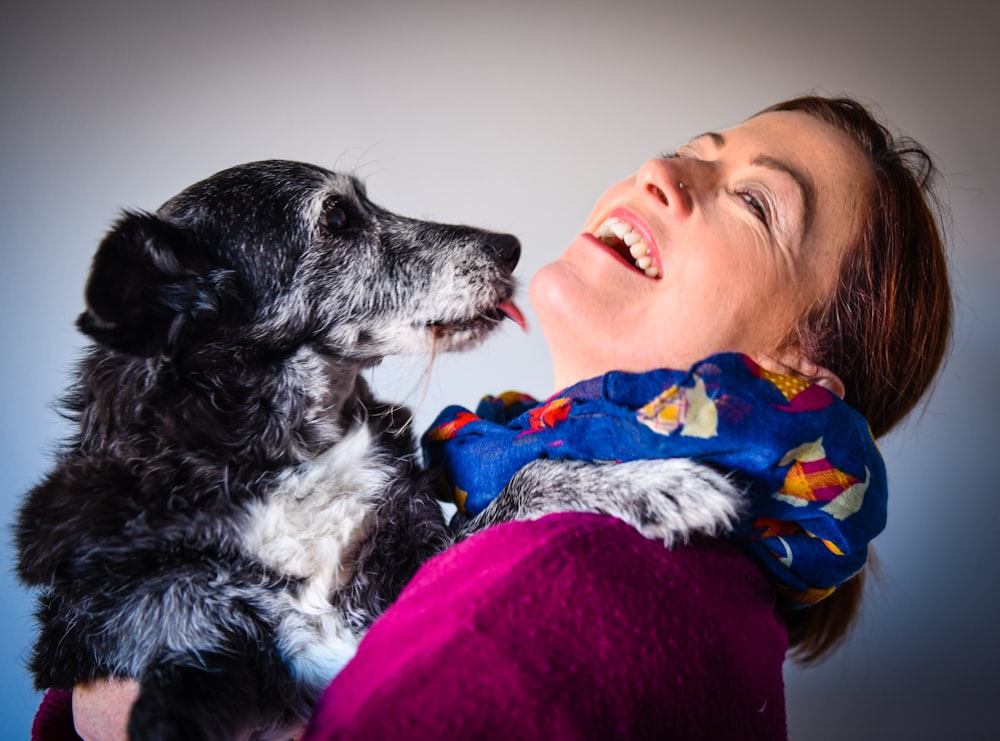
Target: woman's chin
x,y
559,296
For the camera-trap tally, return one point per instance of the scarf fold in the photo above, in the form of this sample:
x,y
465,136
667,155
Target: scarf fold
x,y
815,478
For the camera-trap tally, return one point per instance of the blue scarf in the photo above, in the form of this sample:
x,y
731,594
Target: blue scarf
x,y
815,478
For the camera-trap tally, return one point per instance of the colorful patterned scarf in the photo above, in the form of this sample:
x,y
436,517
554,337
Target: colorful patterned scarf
x,y
815,478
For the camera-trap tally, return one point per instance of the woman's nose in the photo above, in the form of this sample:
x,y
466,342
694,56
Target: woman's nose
x,y
668,182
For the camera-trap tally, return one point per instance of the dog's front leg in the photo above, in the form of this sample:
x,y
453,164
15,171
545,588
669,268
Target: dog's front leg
x,y
668,500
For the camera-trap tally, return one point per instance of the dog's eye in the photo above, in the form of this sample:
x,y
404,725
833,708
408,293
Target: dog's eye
x,y
334,216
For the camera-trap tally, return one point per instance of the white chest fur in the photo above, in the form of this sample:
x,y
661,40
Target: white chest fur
x,y
309,528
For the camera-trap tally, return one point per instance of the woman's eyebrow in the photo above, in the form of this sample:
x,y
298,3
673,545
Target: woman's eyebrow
x,y
805,183
717,139
806,186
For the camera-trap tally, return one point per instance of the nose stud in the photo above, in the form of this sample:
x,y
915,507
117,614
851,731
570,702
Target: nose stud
x,y
680,186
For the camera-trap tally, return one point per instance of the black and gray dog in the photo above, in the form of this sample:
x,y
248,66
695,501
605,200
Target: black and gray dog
x,y
235,507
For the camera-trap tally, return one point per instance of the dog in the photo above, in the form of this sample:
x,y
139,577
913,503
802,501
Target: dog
x,y
235,506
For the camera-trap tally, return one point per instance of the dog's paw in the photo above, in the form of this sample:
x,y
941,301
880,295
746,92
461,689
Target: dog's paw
x,y
673,499
668,500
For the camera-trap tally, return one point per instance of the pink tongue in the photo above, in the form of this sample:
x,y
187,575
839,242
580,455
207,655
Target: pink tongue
x,y
508,308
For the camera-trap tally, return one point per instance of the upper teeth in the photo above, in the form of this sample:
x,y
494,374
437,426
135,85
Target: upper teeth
x,y
614,230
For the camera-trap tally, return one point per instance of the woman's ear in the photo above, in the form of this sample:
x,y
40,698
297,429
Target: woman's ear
x,y
828,380
794,363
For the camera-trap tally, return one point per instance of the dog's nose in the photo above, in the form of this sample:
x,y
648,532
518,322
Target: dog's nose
x,y
507,249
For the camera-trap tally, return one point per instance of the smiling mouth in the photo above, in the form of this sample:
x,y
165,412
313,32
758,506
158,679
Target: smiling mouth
x,y
629,244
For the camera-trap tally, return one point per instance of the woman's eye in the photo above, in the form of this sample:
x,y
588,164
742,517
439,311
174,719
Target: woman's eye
x,y
755,205
334,216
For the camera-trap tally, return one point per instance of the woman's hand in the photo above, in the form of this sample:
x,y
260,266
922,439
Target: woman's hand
x,y
101,709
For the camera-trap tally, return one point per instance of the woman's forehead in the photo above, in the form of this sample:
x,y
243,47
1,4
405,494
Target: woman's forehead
x,y
798,135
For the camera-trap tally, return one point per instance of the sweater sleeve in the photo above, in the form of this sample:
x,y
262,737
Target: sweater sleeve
x,y
54,718
571,626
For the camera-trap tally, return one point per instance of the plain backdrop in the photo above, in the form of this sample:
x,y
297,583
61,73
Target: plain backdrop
x,y
516,115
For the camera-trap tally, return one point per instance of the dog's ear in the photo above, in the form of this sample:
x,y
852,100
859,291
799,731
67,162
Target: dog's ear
x,y
149,284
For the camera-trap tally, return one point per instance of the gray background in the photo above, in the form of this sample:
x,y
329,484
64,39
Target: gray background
x,y
516,116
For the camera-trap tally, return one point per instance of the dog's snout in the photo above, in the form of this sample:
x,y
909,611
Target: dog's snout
x,y
507,248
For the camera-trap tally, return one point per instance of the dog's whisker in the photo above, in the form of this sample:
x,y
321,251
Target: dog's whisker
x,y
428,369
363,161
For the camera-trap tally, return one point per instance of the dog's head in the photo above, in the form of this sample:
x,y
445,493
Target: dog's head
x,y
277,254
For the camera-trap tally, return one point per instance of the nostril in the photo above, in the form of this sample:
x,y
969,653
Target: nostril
x,y
655,190
508,249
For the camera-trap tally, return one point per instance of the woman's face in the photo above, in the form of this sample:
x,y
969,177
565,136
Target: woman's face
x,y
666,274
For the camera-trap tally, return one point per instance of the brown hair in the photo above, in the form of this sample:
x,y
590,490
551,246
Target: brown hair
x,y
886,328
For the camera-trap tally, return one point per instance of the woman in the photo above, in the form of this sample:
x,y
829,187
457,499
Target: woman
x,y
802,238
838,275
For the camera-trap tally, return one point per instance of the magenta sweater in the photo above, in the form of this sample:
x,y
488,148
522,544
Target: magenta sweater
x,y
569,627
